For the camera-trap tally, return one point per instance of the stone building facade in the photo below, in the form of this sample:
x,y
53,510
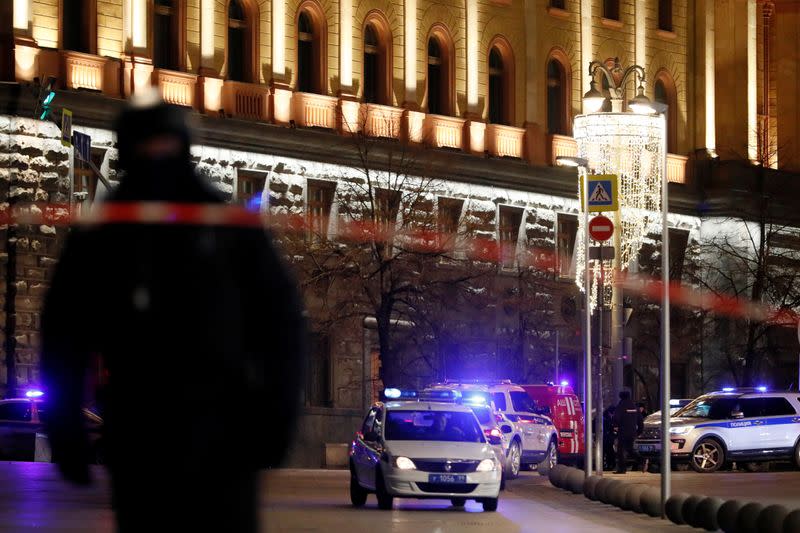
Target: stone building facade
x,y
485,90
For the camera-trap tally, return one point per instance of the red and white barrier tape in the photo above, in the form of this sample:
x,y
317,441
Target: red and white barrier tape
x,y
423,240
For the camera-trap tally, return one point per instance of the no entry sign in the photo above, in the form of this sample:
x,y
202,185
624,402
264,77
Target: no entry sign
x,y
601,228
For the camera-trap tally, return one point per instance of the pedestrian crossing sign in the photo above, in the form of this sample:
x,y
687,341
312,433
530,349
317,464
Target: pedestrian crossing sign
x,y
603,195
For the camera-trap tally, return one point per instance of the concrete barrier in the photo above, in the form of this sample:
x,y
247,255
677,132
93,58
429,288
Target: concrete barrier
x,y
728,514
633,497
747,519
689,510
574,480
600,489
42,452
674,507
651,501
589,486
791,524
707,511
615,494
771,518
606,494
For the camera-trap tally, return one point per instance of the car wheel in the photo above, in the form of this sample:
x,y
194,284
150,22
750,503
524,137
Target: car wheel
x,y
489,504
385,500
550,459
708,456
358,495
797,454
514,460
458,502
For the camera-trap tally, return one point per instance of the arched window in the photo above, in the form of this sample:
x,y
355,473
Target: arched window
x,y
501,82
440,85
310,47
611,9
377,60
559,116
78,26
664,92
557,98
241,41
167,38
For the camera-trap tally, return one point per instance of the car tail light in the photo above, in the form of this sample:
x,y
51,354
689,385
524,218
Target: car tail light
x,y
494,432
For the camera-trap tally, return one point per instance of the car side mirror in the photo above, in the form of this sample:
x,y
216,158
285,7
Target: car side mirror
x,y
737,414
494,440
505,428
371,436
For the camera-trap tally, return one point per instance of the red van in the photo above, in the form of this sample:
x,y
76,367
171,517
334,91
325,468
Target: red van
x,y
567,416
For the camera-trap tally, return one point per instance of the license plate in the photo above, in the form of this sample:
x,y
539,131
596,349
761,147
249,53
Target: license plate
x,y
566,434
649,447
447,478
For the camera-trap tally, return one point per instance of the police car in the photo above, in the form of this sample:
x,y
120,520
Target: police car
x,y
415,446
746,425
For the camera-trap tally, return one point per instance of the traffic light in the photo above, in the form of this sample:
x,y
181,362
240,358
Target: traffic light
x,y
45,97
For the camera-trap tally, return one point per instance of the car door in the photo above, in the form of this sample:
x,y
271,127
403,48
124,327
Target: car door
x,y
361,460
371,448
781,423
17,431
749,433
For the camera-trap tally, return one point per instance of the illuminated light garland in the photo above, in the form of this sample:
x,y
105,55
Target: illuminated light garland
x,y
628,145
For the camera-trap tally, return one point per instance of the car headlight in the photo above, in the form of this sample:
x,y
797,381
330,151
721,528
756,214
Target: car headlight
x,y
404,463
487,465
682,430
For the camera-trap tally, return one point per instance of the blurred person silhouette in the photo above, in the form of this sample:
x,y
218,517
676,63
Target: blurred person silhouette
x,y
203,336
629,424
609,438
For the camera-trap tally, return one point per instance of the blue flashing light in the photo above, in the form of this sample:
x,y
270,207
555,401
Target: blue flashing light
x,y
392,393
445,395
34,394
728,389
564,383
674,403
762,388
475,399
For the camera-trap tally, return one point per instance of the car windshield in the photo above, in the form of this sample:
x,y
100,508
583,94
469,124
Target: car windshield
x,y
484,414
714,408
522,402
432,426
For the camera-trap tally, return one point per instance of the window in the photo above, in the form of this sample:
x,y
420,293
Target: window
x,y
559,4
318,387
448,217
496,89
250,187
439,82
508,234
447,426
310,49
240,42
522,402
16,411
665,15
499,399
377,44
319,199
78,23
165,35
778,406
611,9
567,232
557,119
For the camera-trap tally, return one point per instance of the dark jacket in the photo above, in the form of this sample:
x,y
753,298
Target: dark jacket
x,y
200,328
628,419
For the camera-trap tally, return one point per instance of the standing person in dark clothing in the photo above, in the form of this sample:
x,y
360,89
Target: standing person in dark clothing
x,y
609,436
629,423
201,329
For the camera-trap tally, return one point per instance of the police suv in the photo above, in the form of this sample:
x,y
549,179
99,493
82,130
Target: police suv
x,y
415,447
745,425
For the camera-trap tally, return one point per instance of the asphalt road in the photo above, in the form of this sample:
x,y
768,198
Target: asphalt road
x,y
33,498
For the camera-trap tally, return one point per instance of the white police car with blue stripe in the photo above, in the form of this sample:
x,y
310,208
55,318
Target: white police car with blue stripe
x,y
744,425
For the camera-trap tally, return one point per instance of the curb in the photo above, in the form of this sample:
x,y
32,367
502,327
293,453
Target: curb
x,y
695,510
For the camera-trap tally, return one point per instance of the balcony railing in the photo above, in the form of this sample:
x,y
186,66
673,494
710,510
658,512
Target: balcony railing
x,y
505,141
382,121
175,87
83,71
676,168
560,146
245,100
443,132
314,110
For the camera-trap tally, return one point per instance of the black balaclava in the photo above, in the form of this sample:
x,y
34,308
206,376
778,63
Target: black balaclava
x,y
169,178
